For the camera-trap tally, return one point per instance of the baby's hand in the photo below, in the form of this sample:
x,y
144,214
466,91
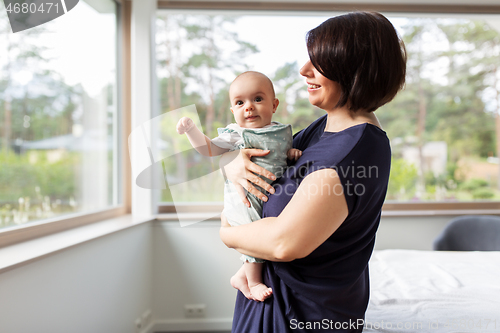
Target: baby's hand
x,y
184,125
293,154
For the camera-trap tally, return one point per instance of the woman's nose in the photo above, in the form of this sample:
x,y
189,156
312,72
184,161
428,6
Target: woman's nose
x,y
306,70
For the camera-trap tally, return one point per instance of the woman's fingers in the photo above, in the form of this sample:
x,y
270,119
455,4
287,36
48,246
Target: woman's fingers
x,y
258,170
248,165
256,180
251,189
255,152
244,173
242,193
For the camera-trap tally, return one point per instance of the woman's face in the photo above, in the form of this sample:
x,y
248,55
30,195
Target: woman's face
x,y
323,93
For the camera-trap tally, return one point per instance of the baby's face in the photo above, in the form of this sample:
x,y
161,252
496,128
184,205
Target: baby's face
x,y
252,101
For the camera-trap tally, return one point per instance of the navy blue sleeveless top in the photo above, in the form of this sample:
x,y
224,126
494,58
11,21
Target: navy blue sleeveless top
x,y
328,290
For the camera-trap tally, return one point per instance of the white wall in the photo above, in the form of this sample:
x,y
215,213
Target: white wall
x,y
100,286
417,233
192,266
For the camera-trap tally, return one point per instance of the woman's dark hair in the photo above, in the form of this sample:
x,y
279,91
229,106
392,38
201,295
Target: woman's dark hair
x,y
364,54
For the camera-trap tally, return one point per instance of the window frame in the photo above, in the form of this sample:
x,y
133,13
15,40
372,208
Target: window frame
x,y
437,7
393,209
21,233
124,12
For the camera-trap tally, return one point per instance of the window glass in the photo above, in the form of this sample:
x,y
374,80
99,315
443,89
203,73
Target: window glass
x,y
441,126
58,111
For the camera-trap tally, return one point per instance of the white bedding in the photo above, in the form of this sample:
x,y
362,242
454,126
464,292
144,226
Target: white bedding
x,y
427,291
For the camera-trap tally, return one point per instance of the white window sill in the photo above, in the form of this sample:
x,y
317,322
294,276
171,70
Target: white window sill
x,y
441,212
209,216
385,213
25,252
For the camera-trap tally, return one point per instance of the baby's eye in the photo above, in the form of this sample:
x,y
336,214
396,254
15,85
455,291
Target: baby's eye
x,y
258,99
239,103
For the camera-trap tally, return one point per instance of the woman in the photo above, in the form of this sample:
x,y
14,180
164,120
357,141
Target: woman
x,y
319,226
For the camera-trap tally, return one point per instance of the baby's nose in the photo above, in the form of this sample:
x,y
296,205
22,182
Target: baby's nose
x,y
249,106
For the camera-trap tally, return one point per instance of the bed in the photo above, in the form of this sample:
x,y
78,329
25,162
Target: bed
x,y
434,291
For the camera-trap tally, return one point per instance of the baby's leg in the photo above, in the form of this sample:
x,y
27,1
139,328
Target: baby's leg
x,y
258,289
239,281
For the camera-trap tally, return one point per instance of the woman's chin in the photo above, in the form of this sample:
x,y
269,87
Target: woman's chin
x,y
315,102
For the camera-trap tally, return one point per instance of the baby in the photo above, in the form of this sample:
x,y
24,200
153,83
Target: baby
x,y
253,103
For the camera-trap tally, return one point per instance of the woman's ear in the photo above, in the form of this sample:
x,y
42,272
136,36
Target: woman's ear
x,y
276,102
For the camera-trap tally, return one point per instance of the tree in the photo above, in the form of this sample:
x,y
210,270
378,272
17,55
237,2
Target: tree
x,y
30,90
473,71
209,62
285,79
196,56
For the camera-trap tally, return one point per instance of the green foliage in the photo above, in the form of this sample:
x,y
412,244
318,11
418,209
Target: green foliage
x,y
33,191
402,180
473,184
477,188
20,178
483,193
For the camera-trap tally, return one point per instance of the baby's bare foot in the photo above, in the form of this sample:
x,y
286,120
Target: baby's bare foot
x,y
239,281
260,292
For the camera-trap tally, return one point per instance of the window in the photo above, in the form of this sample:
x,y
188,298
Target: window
x,y
59,116
442,127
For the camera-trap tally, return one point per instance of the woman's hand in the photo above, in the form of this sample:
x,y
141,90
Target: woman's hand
x,y
242,172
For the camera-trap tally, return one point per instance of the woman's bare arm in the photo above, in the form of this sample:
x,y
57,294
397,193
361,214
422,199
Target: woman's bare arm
x,y
314,213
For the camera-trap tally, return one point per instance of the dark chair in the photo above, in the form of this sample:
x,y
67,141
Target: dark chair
x,y
470,233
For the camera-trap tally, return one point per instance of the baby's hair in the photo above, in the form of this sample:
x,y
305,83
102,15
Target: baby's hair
x,y
256,73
